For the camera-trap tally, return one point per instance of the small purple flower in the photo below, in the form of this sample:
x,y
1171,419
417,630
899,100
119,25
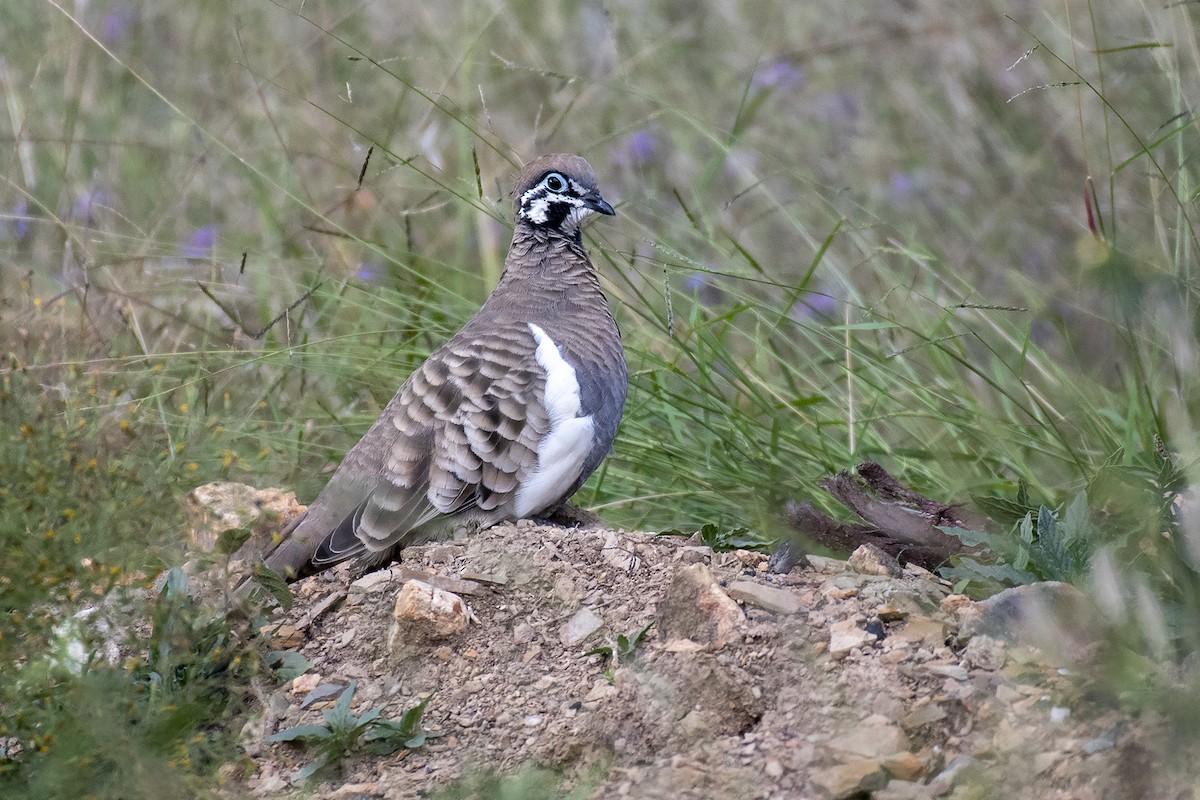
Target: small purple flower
x,y
87,203
200,243
814,306
18,222
701,286
117,24
370,271
903,185
779,74
638,149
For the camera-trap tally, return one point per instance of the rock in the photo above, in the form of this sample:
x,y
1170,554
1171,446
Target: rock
x,y
283,637
1052,616
904,766
984,652
825,564
846,635
945,780
583,624
924,715
303,684
889,612
903,790
214,508
444,582
850,780
523,633
695,607
619,553
874,737
781,601
922,631
373,582
424,613
870,560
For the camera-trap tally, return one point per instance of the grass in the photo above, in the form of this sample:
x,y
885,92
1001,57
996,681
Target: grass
x,y
957,243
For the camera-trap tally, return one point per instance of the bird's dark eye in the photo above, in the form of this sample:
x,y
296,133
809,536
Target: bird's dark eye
x,y
555,182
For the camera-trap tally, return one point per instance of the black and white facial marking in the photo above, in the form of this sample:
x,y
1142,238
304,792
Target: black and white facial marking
x,y
559,201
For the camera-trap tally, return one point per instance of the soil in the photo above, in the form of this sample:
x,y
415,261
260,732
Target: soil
x,y
840,679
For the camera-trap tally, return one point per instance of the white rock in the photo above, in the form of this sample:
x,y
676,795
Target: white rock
x,y
846,635
579,627
781,601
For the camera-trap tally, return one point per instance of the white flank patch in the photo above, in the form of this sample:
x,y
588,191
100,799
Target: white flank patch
x,y
562,452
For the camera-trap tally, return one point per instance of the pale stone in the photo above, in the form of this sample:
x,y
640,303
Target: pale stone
x,y
372,582
953,671
695,607
846,635
874,737
848,780
921,630
904,766
870,560
984,652
925,715
781,601
424,613
579,627
303,684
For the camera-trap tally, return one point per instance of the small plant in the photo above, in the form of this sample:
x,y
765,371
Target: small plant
x,y
343,731
1046,546
621,650
723,540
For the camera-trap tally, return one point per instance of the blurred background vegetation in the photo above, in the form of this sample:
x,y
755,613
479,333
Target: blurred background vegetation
x,y
958,241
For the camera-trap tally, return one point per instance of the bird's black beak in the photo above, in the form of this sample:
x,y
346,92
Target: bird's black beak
x,y
597,203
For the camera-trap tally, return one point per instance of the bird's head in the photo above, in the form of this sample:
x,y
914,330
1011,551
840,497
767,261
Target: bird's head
x,y
557,193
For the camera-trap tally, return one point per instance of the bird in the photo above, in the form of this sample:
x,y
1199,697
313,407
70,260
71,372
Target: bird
x,y
504,421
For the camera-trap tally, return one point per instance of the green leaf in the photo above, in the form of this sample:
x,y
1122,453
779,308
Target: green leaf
x,y
1025,534
308,770
411,721
339,717
288,664
388,736
967,537
972,571
230,540
273,583
301,733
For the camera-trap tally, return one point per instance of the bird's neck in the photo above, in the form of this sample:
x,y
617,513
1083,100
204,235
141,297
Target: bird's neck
x,y
542,256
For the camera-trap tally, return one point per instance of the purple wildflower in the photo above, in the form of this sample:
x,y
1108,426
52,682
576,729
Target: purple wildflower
x,y
200,243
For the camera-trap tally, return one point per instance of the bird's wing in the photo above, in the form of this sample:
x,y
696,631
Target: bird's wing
x,y
461,434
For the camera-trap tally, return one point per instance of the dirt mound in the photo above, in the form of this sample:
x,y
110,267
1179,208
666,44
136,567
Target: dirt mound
x,y
841,679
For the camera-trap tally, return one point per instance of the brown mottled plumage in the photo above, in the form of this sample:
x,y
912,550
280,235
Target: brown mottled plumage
x,y
507,419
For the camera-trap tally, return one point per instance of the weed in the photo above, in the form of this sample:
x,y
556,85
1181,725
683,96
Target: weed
x,y
621,650
343,732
